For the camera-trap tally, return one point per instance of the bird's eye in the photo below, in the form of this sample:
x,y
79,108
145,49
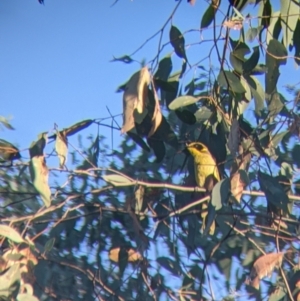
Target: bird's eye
x,y
199,147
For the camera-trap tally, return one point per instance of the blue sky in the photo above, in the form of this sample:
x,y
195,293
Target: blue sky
x,y
55,58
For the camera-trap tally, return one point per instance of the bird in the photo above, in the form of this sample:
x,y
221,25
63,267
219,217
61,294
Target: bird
x,y
205,166
206,175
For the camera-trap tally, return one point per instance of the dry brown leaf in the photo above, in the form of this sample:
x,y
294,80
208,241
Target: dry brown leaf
x,y
263,267
234,138
134,97
114,254
132,255
237,186
234,24
157,116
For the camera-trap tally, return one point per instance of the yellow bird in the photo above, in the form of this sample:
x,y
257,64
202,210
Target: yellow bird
x,y
206,173
206,170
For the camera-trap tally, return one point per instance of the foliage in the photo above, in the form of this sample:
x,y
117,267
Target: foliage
x,y
126,224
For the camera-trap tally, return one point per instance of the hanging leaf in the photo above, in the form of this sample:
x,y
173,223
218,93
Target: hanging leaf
x,y
134,98
39,176
208,17
263,267
5,122
234,138
49,245
11,234
276,56
289,18
26,297
275,194
61,147
117,180
139,198
164,69
252,33
37,147
239,48
8,152
230,81
157,116
220,194
182,101
257,92
238,181
251,63
266,14
274,28
158,148
136,138
178,42
132,255
10,282
296,40
186,116
203,114
183,68
75,128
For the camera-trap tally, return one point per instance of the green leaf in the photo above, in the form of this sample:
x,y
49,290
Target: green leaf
x,y
278,294
289,18
5,122
117,180
252,33
39,176
75,128
164,69
186,116
165,85
277,51
274,29
273,191
178,42
220,193
230,81
26,297
182,101
239,48
266,14
251,63
183,68
276,56
203,114
136,138
37,147
158,148
257,92
10,282
296,40
8,152
61,147
236,62
49,245
296,155
122,260
276,104
11,234
207,17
